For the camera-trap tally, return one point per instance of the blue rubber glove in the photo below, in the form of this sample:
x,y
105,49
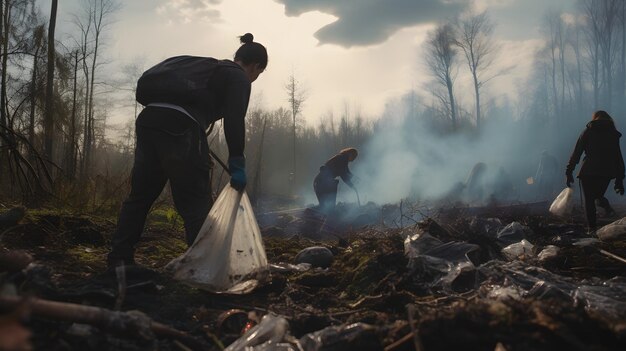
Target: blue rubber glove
x,y
237,167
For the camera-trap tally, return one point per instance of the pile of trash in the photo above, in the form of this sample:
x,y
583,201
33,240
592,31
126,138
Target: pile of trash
x,y
533,282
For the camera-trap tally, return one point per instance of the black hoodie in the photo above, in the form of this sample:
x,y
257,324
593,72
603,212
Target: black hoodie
x,y
603,157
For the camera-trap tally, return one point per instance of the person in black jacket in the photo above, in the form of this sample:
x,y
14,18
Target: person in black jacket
x,y
172,145
325,184
603,161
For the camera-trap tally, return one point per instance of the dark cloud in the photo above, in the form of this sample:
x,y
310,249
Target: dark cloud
x,y
367,22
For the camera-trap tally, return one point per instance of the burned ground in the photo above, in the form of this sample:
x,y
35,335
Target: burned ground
x,y
521,304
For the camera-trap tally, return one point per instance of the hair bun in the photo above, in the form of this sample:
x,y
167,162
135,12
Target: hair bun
x,y
246,38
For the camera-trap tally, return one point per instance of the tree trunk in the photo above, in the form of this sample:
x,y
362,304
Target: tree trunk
x,y
452,103
48,118
71,151
477,92
33,104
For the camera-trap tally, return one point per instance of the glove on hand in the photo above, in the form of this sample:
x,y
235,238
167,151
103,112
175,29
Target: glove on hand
x,y
570,179
619,186
237,167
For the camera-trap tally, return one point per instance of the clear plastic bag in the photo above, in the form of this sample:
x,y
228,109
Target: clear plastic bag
x,y
227,255
564,203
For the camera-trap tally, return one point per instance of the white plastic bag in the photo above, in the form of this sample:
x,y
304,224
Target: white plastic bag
x,y
518,250
564,203
227,255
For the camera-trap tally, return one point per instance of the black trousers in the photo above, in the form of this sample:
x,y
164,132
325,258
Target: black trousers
x,y
594,188
179,154
325,186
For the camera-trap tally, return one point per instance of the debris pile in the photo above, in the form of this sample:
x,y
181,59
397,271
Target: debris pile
x,y
488,281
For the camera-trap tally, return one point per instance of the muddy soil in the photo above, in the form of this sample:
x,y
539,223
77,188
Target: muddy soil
x,y
370,281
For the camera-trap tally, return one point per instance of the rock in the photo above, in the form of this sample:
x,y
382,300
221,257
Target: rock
x,y
316,256
613,232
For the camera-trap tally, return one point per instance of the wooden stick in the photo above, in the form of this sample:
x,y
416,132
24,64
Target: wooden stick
x,y
399,342
120,322
613,256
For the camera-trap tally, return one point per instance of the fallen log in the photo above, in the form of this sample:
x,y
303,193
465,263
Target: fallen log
x,y
132,323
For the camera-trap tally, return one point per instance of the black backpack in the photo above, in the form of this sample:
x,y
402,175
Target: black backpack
x,y
179,80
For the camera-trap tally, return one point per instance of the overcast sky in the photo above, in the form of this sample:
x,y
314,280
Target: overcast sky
x,y
356,52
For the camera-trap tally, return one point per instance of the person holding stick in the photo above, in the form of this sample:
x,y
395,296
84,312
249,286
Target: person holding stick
x,y
325,184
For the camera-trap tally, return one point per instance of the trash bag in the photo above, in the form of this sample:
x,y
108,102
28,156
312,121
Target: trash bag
x,y
564,203
613,231
227,255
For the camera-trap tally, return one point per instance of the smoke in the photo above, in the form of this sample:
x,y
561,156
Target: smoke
x,y
410,156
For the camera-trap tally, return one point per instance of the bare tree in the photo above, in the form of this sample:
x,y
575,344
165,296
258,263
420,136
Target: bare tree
x,y
441,52
97,17
48,110
554,29
296,97
474,37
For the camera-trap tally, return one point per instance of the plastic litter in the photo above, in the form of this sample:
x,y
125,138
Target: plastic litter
x,y
346,337
607,300
522,249
549,252
486,226
614,231
269,334
436,263
227,255
316,256
513,232
288,267
564,203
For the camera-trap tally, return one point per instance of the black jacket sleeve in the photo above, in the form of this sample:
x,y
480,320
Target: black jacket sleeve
x,y
620,162
577,153
236,97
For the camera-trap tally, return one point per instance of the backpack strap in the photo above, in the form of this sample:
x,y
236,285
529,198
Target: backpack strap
x,y
173,107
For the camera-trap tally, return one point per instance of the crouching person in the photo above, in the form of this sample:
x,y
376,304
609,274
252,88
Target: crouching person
x,y
603,161
325,183
172,144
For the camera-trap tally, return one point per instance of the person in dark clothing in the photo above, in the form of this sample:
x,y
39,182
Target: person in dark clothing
x,y
325,184
172,145
603,161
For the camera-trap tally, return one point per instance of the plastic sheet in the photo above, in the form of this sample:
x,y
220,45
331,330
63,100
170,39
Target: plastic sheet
x,y
564,203
227,255
522,249
614,231
269,334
